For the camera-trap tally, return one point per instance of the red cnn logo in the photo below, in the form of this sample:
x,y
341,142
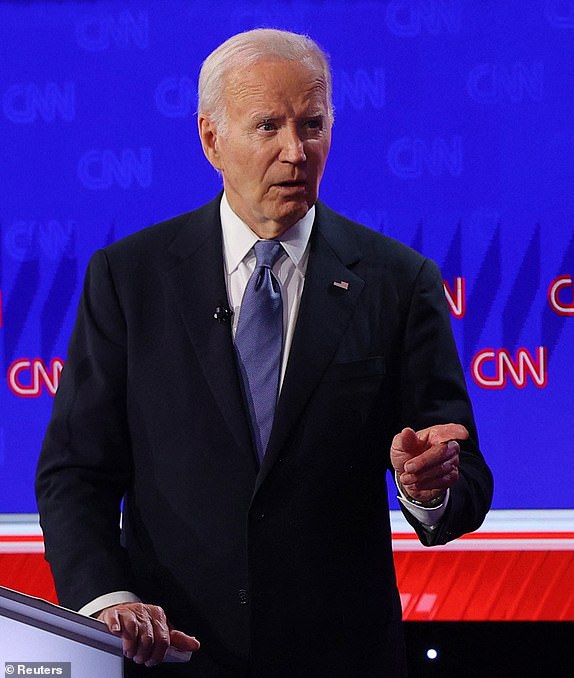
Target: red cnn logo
x,y
492,369
556,304
456,297
28,378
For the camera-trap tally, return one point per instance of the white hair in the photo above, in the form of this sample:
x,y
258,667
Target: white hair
x,y
246,48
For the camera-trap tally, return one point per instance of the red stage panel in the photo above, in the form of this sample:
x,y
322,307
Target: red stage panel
x,y
29,573
486,585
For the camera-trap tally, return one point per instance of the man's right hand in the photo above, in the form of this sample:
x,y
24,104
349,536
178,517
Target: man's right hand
x,y
145,631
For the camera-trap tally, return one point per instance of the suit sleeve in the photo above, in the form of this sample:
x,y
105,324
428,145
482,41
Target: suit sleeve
x,y
85,464
433,391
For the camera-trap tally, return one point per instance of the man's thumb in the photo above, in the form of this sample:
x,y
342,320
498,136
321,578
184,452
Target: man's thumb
x,y
181,641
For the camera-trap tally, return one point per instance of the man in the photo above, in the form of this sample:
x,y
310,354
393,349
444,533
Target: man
x,y
262,528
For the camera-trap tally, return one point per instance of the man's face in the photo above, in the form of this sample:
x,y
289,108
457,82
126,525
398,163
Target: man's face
x,y
273,151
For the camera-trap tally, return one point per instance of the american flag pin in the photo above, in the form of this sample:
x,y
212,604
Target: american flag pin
x,y
343,284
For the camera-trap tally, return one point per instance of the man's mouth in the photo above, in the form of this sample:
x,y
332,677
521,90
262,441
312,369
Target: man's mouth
x,y
291,184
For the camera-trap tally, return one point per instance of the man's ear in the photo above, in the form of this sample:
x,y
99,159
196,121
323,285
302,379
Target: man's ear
x,y
209,140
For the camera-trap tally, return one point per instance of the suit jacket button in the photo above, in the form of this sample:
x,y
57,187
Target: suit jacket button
x,y
243,597
260,516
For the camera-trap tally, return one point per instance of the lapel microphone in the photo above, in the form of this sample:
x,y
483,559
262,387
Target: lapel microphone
x,y
222,313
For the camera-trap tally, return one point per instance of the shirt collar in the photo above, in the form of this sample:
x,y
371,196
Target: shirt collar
x,y
238,238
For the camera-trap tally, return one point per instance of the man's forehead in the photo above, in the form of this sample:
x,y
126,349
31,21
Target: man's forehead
x,y
269,75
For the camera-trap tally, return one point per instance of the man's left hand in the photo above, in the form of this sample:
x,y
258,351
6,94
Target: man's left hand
x,y
426,461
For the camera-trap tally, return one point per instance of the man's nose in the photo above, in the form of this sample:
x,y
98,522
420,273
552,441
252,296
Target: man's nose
x,y
292,147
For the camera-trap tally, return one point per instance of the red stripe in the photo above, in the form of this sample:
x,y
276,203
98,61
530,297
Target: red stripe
x,y
496,535
399,536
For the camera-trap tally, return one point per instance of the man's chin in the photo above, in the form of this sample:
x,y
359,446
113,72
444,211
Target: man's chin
x,y
292,212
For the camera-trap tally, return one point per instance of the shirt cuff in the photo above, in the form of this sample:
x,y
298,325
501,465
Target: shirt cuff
x,y
428,517
107,600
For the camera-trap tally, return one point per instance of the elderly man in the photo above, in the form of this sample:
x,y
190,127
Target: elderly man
x,y
241,377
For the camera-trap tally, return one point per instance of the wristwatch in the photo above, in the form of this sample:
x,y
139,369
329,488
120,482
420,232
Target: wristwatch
x,y
432,503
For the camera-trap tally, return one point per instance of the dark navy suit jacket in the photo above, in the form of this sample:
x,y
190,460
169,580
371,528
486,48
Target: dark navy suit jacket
x,y
282,571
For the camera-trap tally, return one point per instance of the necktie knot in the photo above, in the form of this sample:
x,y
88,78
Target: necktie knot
x,y
267,252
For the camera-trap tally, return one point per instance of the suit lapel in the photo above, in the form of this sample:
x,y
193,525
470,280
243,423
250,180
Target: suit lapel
x,y
198,283
324,314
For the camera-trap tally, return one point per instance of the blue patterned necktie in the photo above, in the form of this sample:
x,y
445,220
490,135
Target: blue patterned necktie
x,y
259,341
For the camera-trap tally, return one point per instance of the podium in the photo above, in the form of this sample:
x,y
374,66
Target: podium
x,y
38,638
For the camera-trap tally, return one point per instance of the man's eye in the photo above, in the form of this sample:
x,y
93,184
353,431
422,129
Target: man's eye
x,y
266,126
314,123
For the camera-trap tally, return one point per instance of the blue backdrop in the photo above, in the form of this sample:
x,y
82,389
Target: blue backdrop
x,y
454,133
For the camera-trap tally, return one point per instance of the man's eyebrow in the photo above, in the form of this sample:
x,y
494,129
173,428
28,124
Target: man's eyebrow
x,y
259,117
264,117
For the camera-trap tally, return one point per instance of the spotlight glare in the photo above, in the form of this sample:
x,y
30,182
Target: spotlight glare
x,y
432,653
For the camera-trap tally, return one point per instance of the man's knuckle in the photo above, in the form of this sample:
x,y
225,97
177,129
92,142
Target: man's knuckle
x,y
161,644
146,638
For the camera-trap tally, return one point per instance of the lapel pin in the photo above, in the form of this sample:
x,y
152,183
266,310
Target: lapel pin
x,y
343,284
